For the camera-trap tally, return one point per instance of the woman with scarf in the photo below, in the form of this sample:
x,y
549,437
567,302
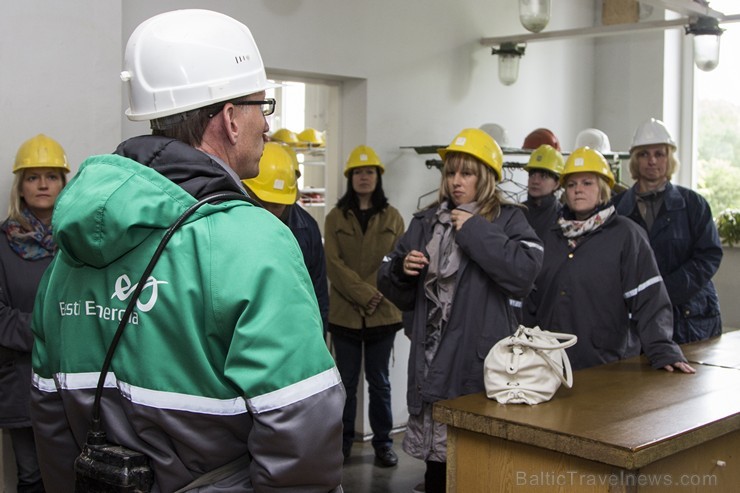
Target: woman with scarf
x,y
599,279
455,269
26,249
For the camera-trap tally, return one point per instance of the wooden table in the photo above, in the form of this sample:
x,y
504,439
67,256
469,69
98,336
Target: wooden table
x,y
623,427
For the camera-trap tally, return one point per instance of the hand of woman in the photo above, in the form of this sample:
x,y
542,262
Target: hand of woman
x,y
373,303
458,218
414,262
680,365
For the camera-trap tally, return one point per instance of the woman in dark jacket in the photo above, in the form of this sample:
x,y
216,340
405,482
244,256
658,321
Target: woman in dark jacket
x,y
599,280
681,231
26,249
542,207
455,269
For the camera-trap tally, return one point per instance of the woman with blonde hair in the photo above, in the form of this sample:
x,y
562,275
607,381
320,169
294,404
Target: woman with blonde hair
x,y
26,249
599,279
455,270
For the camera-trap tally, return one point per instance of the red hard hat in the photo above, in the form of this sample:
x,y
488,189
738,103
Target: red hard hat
x,y
540,137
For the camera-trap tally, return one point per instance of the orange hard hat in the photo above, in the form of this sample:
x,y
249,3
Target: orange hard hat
x,y
539,137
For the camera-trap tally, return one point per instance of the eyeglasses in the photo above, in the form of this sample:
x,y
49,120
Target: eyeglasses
x,y
267,106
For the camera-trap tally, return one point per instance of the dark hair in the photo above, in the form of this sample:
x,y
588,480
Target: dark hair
x,y
350,201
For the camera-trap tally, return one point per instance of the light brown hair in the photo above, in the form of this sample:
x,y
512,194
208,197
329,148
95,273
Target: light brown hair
x,y
487,194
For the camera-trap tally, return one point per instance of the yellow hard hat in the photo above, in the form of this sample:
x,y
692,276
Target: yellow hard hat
x,y
276,181
585,159
478,144
363,156
40,152
285,136
547,158
294,158
312,137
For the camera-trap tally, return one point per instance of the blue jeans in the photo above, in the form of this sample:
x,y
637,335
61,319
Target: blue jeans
x,y
349,357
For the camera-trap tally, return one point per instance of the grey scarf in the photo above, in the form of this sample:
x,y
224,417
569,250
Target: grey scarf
x,y
439,284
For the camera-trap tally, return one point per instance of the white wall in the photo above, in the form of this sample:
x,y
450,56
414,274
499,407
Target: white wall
x,y
59,65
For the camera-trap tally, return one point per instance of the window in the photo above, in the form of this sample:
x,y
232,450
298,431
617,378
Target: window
x,y
717,102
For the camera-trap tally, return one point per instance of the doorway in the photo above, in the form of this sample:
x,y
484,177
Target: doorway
x,y
305,104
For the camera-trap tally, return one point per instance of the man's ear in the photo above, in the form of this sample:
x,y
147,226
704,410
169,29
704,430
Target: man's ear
x,y
228,120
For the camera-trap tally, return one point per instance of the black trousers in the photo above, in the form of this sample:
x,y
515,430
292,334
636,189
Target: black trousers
x,y
435,477
24,448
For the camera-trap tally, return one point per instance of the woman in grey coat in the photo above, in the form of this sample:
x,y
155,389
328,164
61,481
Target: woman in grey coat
x,y
26,249
455,270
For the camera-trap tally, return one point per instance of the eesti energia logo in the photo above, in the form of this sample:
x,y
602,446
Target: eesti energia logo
x,y
123,289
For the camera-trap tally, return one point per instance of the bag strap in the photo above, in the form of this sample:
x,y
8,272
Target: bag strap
x,y
565,373
520,338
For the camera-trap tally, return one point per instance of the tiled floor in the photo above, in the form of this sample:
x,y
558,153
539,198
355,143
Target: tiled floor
x,y
361,475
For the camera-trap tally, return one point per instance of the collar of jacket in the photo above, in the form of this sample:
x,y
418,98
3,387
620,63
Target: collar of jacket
x,y
626,203
540,202
191,169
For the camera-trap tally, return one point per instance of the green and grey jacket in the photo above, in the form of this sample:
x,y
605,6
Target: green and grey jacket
x,y
223,355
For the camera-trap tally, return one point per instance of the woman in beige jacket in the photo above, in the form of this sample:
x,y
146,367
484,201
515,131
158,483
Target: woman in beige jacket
x,y
359,232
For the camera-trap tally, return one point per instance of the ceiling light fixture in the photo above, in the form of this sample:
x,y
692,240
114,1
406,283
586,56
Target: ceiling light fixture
x,y
706,32
508,61
534,14
703,26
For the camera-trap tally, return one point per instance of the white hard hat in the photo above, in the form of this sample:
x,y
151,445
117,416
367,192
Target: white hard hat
x,y
652,132
186,59
595,139
498,133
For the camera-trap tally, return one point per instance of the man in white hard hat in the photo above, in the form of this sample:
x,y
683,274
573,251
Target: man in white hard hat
x,y
221,378
681,230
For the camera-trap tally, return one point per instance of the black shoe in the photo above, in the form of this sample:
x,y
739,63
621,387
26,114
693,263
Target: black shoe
x,y
386,457
346,450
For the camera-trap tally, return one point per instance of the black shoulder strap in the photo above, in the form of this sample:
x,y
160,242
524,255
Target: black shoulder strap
x,y
217,197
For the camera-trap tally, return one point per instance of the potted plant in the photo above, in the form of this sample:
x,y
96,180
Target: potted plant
x,y
728,226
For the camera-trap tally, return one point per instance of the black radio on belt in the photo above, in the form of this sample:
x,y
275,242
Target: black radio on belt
x,y
106,468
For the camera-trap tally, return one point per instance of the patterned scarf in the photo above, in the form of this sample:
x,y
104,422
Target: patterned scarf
x,y
29,245
575,230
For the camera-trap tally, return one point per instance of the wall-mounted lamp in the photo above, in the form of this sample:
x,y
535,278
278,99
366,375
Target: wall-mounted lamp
x,y
508,61
706,33
534,14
